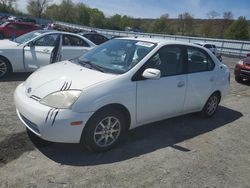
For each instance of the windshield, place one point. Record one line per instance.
(117, 56)
(28, 36)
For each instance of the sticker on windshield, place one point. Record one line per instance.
(144, 44)
(37, 34)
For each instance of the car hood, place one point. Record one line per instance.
(62, 76)
(6, 44)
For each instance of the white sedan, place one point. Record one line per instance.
(38, 48)
(120, 85)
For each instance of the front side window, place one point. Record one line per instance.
(118, 56)
(47, 40)
(70, 40)
(169, 60)
(29, 36)
(198, 61)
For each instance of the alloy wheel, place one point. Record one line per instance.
(212, 105)
(107, 131)
(3, 68)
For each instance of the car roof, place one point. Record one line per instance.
(159, 41)
(204, 43)
(24, 23)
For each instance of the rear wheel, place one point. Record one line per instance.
(5, 68)
(104, 130)
(211, 106)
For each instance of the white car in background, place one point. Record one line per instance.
(212, 48)
(120, 85)
(38, 48)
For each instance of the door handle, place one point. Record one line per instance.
(211, 79)
(46, 50)
(181, 84)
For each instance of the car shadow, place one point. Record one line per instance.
(144, 139)
(245, 82)
(13, 146)
(16, 77)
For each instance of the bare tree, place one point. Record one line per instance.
(37, 7)
(186, 23)
(228, 15)
(226, 22)
(213, 14)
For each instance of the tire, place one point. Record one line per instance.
(104, 130)
(1, 36)
(38, 142)
(211, 106)
(5, 68)
(238, 79)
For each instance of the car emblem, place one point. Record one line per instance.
(29, 90)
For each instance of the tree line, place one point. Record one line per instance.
(214, 26)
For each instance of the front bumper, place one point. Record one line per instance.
(49, 123)
(242, 72)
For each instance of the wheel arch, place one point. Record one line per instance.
(118, 107)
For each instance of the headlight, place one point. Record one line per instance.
(240, 62)
(61, 99)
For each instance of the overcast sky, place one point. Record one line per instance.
(156, 8)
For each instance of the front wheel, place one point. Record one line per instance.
(238, 79)
(211, 106)
(104, 130)
(5, 68)
(1, 36)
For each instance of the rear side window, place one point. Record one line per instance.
(47, 40)
(198, 61)
(70, 40)
(208, 46)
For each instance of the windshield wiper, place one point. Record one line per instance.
(85, 62)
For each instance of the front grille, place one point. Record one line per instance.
(245, 73)
(31, 125)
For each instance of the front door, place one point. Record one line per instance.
(162, 98)
(73, 46)
(42, 52)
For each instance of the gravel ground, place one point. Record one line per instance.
(186, 151)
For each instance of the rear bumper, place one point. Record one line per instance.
(49, 123)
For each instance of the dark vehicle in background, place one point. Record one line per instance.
(15, 29)
(94, 37)
(242, 69)
(212, 48)
(27, 20)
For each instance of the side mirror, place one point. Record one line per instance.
(152, 74)
(248, 55)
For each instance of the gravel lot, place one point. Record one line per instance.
(187, 151)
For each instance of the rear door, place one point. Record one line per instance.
(200, 78)
(73, 46)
